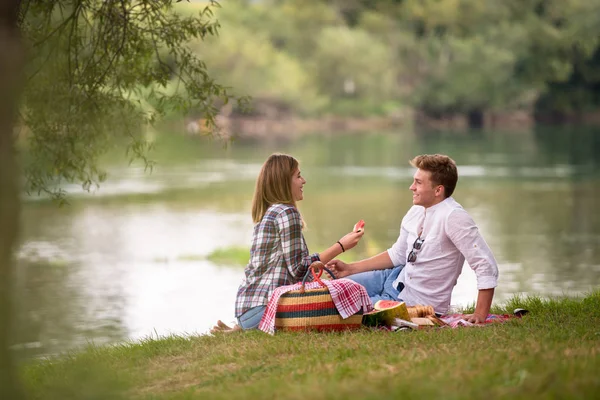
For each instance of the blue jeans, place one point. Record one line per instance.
(379, 283)
(251, 318)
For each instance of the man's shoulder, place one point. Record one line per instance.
(455, 214)
(450, 205)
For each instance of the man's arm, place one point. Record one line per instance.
(463, 232)
(482, 309)
(341, 269)
(384, 260)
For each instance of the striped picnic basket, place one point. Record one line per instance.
(312, 309)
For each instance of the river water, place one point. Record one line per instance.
(129, 260)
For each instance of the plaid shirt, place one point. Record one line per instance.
(278, 257)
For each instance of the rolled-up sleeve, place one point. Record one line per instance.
(295, 252)
(465, 235)
(397, 252)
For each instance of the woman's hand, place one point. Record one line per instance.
(344, 244)
(351, 239)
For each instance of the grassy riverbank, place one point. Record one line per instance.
(238, 256)
(553, 352)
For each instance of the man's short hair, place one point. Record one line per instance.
(443, 170)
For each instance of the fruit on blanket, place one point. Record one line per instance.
(385, 304)
(393, 309)
(385, 312)
(373, 318)
(359, 226)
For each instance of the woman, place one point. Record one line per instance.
(279, 255)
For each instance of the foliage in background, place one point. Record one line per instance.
(375, 57)
(254, 65)
(98, 70)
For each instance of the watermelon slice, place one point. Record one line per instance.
(385, 312)
(359, 226)
(385, 304)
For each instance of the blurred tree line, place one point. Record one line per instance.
(362, 57)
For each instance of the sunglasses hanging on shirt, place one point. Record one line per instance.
(412, 256)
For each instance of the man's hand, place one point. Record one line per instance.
(339, 268)
(476, 318)
(482, 308)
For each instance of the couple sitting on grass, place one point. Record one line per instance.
(436, 236)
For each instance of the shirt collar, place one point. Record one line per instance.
(432, 209)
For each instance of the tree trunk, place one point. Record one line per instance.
(11, 60)
(475, 118)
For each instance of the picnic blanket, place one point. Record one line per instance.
(457, 320)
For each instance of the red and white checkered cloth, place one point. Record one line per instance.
(348, 297)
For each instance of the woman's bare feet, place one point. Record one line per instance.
(222, 327)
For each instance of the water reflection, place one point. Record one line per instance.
(129, 260)
(109, 273)
(570, 145)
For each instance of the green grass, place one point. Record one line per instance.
(239, 256)
(553, 352)
(235, 256)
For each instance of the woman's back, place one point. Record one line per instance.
(278, 256)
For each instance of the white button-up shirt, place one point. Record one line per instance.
(451, 236)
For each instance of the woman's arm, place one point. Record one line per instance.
(294, 247)
(344, 244)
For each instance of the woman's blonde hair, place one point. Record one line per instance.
(274, 184)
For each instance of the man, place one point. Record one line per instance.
(436, 236)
